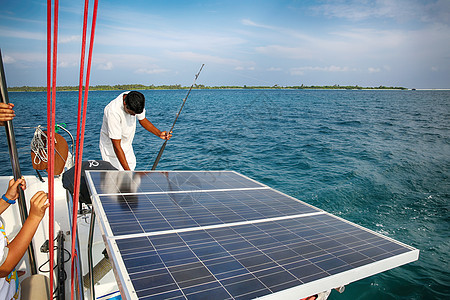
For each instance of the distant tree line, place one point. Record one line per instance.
(129, 87)
(116, 87)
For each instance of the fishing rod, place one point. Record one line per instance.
(175, 121)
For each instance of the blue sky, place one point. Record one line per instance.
(367, 43)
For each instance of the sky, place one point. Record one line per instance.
(255, 43)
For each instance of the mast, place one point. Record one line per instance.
(15, 163)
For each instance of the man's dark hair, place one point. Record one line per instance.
(135, 102)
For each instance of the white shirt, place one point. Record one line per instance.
(118, 125)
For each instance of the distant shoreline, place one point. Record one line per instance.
(179, 87)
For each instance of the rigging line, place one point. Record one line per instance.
(51, 101)
(21, 150)
(77, 147)
(81, 130)
(158, 157)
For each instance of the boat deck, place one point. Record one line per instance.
(107, 287)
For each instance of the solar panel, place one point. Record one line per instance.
(113, 182)
(221, 235)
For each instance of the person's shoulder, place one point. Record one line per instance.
(112, 109)
(116, 102)
(109, 107)
(119, 98)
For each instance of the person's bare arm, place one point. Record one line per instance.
(152, 128)
(120, 154)
(12, 193)
(3, 206)
(19, 245)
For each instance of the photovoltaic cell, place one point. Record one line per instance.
(167, 211)
(112, 182)
(220, 235)
(248, 261)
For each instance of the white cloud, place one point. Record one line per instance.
(106, 66)
(345, 46)
(297, 71)
(286, 52)
(336, 69)
(69, 39)
(438, 12)
(203, 58)
(8, 59)
(293, 35)
(22, 34)
(329, 69)
(26, 57)
(69, 60)
(401, 11)
(105, 61)
(368, 38)
(242, 68)
(167, 39)
(344, 39)
(5, 15)
(360, 10)
(66, 64)
(248, 22)
(151, 71)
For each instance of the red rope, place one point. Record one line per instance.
(51, 104)
(77, 166)
(81, 129)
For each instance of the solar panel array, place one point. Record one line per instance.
(221, 235)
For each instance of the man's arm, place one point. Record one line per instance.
(120, 154)
(151, 128)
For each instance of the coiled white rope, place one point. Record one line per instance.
(39, 146)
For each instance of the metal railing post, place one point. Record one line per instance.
(15, 164)
(90, 259)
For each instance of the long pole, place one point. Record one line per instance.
(15, 163)
(175, 121)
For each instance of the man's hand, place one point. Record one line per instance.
(151, 128)
(13, 191)
(165, 135)
(6, 113)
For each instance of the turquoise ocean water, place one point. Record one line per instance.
(380, 159)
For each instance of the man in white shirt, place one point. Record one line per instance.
(119, 127)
